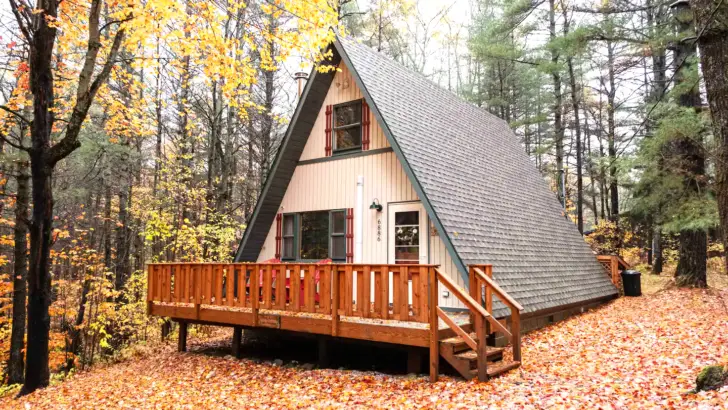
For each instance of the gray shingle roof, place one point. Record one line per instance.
(492, 202)
(486, 198)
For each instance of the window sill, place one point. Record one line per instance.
(347, 151)
(345, 155)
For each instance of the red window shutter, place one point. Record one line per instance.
(329, 111)
(349, 235)
(279, 217)
(364, 126)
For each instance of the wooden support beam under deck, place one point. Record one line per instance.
(182, 341)
(237, 336)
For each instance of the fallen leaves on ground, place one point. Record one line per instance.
(635, 353)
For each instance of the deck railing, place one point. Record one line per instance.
(613, 264)
(397, 292)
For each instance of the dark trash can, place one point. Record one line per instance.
(631, 283)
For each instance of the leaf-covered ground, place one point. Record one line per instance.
(635, 353)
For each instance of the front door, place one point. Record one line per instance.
(407, 233)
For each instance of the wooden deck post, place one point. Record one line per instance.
(334, 300)
(474, 290)
(482, 348)
(237, 336)
(516, 332)
(255, 293)
(182, 341)
(434, 326)
(490, 334)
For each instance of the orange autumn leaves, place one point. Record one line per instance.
(634, 353)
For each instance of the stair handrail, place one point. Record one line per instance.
(614, 261)
(491, 286)
(471, 303)
(502, 295)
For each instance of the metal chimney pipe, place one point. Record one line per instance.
(300, 77)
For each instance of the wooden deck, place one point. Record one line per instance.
(382, 303)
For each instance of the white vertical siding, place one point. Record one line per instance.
(440, 256)
(332, 185)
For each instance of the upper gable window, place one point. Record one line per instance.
(347, 126)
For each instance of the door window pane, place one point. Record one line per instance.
(407, 237)
(407, 218)
(407, 253)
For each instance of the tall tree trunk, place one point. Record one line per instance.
(158, 115)
(266, 135)
(577, 131)
(37, 373)
(711, 21)
(20, 275)
(557, 107)
(121, 272)
(611, 135)
(187, 142)
(691, 267)
(590, 165)
(107, 226)
(657, 258)
(655, 21)
(44, 157)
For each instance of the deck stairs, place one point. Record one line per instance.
(465, 347)
(465, 360)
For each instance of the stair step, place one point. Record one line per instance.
(457, 343)
(492, 353)
(497, 368)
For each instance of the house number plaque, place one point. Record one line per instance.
(379, 229)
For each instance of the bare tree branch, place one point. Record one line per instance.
(15, 113)
(21, 24)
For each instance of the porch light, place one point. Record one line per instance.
(375, 205)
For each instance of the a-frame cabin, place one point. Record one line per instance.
(388, 197)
